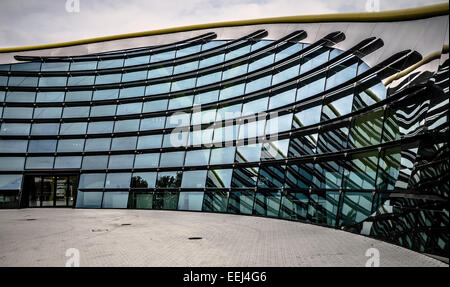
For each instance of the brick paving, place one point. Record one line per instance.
(40, 237)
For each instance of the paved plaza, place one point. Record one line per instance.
(41, 237)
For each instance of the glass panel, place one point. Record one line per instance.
(262, 62)
(42, 146)
(161, 56)
(118, 180)
(222, 155)
(116, 199)
(241, 202)
(68, 162)
(50, 97)
(232, 91)
(172, 159)
(152, 123)
(143, 180)
(97, 144)
(156, 89)
(76, 112)
(95, 162)
(254, 107)
(248, 153)
(126, 109)
(126, 126)
(310, 87)
(169, 179)
(267, 204)
(18, 97)
(39, 163)
(100, 127)
(160, 72)
(244, 177)
(209, 79)
(148, 160)
(356, 207)
(149, 142)
(180, 102)
(155, 106)
(215, 201)
(102, 111)
(307, 117)
(282, 99)
(361, 170)
(141, 60)
(105, 95)
(183, 84)
(92, 180)
(121, 161)
(55, 66)
(197, 158)
(337, 108)
(12, 163)
(190, 201)
(299, 176)
(75, 145)
(207, 97)
(294, 206)
(124, 143)
(15, 129)
(107, 64)
(340, 73)
(47, 113)
(132, 92)
(219, 178)
(10, 181)
(22, 81)
(89, 199)
(17, 113)
(73, 128)
(194, 179)
(181, 68)
(52, 81)
(234, 72)
(79, 66)
(178, 120)
(165, 200)
(81, 81)
(13, 146)
(48, 191)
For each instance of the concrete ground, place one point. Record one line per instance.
(41, 237)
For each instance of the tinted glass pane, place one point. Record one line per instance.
(93, 180)
(78, 66)
(121, 161)
(45, 129)
(115, 199)
(172, 159)
(190, 201)
(15, 129)
(97, 144)
(149, 160)
(95, 162)
(75, 145)
(10, 181)
(89, 199)
(118, 180)
(73, 128)
(68, 162)
(194, 179)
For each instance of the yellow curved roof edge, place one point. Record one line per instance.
(384, 16)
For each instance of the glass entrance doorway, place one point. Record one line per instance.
(50, 191)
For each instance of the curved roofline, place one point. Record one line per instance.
(384, 16)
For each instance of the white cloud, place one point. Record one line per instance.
(27, 22)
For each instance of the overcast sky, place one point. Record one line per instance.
(32, 22)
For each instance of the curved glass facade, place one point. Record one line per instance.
(277, 128)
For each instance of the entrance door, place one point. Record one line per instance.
(50, 191)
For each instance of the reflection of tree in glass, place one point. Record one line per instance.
(169, 180)
(137, 181)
